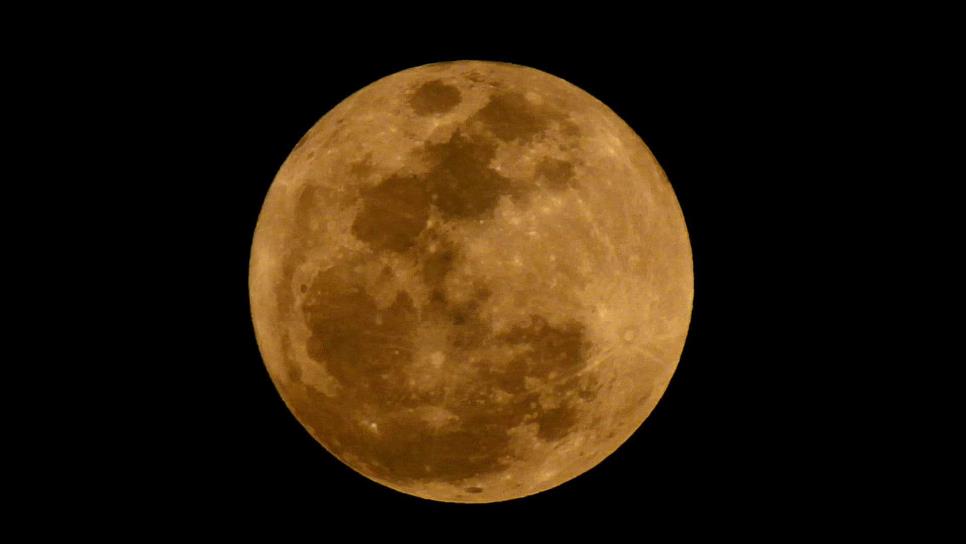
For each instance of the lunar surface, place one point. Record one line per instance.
(471, 281)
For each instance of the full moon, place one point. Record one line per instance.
(471, 281)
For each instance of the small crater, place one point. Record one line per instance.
(434, 97)
(474, 489)
(587, 394)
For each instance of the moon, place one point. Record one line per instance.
(471, 281)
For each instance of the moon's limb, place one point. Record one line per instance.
(471, 281)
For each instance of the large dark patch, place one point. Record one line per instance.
(369, 350)
(393, 213)
(509, 116)
(460, 184)
(463, 186)
(434, 97)
(360, 344)
(556, 173)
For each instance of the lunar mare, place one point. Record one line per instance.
(471, 281)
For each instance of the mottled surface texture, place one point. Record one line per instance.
(471, 281)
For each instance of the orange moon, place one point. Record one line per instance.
(471, 281)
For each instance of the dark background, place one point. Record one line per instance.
(751, 426)
(806, 146)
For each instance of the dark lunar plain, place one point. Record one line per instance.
(744, 432)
